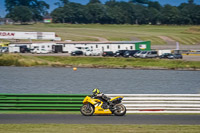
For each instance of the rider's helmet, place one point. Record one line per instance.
(95, 91)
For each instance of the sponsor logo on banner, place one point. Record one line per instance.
(7, 34)
(142, 46)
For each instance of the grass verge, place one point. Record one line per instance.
(97, 62)
(185, 34)
(85, 128)
(19, 60)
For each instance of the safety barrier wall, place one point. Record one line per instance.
(41, 102)
(135, 103)
(161, 103)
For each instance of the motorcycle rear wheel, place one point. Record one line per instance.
(120, 110)
(85, 111)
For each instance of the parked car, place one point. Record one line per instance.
(120, 53)
(39, 51)
(77, 52)
(88, 53)
(137, 54)
(42, 51)
(165, 55)
(92, 53)
(33, 51)
(175, 56)
(108, 53)
(143, 54)
(151, 54)
(4, 49)
(130, 53)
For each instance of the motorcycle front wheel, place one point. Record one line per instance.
(85, 111)
(120, 110)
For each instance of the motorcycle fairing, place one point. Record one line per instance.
(119, 97)
(97, 106)
(99, 110)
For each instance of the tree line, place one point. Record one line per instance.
(112, 12)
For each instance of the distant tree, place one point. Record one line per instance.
(191, 1)
(21, 14)
(11, 4)
(190, 13)
(37, 8)
(61, 3)
(65, 1)
(94, 1)
(154, 12)
(70, 13)
(155, 5)
(97, 13)
(111, 3)
(79, 13)
(141, 14)
(196, 15)
(115, 15)
(154, 16)
(120, 12)
(58, 15)
(170, 15)
(140, 1)
(129, 12)
(185, 11)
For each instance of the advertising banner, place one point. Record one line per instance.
(27, 35)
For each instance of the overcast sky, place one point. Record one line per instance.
(52, 6)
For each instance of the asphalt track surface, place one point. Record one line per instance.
(79, 119)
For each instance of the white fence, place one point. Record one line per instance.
(161, 103)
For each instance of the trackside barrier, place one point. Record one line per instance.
(161, 103)
(135, 103)
(41, 102)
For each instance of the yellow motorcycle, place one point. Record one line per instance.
(95, 106)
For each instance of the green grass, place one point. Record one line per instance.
(89, 128)
(19, 60)
(88, 32)
(96, 62)
(112, 62)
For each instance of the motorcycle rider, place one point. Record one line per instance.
(98, 95)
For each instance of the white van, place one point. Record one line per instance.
(92, 52)
(149, 54)
(39, 51)
(137, 54)
(143, 54)
(152, 54)
(14, 49)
